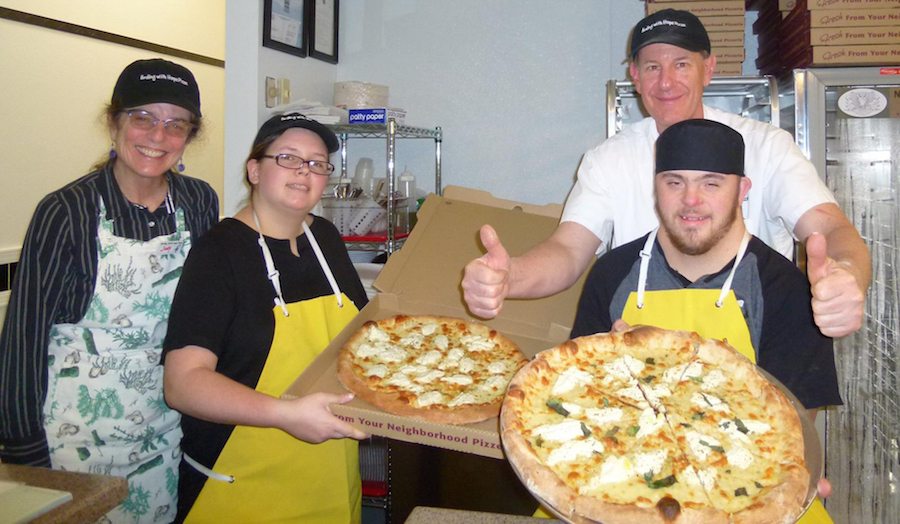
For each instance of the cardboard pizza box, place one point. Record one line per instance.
(702, 8)
(722, 23)
(726, 38)
(854, 17)
(424, 278)
(728, 69)
(854, 35)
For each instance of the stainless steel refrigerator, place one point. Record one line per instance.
(843, 122)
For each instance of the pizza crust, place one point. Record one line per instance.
(403, 402)
(781, 503)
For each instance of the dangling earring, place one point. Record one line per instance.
(180, 165)
(112, 151)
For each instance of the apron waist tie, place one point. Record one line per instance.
(206, 471)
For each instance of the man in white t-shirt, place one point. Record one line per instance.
(612, 200)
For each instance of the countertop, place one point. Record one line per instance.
(92, 495)
(425, 515)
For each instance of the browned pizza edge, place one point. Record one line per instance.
(394, 402)
(539, 479)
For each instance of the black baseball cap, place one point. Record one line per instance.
(157, 81)
(280, 123)
(700, 145)
(670, 26)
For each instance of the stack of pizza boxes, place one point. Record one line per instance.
(423, 278)
(802, 33)
(724, 21)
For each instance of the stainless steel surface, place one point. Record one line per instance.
(749, 96)
(860, 161)
(390, 132)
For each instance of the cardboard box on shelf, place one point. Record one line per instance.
(704, 8)
(424, 278)
(728, 69)
(728, 54)
(377, 115)
(856, 54)
(722, 23)
(853, 35)
(726, 38)
(854, 17)
(787, 5)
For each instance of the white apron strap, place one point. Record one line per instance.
(737, 260)
(324, 263)
(273, 273)
(645, 264)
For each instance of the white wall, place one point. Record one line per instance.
(247, 64)
(518, 86)
(55, 86)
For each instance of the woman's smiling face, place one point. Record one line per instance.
(289, 189)
(147, 153)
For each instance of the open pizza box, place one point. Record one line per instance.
(423, 278)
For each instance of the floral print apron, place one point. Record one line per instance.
(105, 412)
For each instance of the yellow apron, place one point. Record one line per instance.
(712, 313)
(278, 478)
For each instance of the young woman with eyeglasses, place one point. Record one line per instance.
(80, 374)
(261, 296)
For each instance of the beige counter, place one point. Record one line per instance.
(424, 515)
(92, 495)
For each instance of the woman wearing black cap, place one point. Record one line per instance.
(80, 380)
(262, 294)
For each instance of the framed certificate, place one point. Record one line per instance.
(323, 30)
(285, 27)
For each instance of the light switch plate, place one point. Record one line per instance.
(271, 92)
(285, 91)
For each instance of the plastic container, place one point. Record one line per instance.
(407, 183)
(363, 175)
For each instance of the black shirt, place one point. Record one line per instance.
(55, 281)
(224, 303)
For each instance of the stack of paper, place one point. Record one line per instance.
(315, 111)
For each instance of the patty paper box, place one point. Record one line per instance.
(376, 116)
(423, 278)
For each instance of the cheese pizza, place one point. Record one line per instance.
(650, 425)
(438, 369)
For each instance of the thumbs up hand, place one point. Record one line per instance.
(486, 280)
(837, 300)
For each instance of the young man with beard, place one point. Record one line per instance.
(701, 270)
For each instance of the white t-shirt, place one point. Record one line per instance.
(613, 196)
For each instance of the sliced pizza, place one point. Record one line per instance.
(438, 369)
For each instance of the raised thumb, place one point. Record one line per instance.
(816, 258)
(496, 257)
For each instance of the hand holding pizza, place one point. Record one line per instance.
(486, 280)
(837, 298)
(310, 418)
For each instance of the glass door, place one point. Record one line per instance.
(848, 123)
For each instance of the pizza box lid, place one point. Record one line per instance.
(423, 278)
(429, 267)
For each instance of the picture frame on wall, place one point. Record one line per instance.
(323, 30)
(285, 26)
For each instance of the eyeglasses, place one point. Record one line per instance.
(317, 167)
(174, 127)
